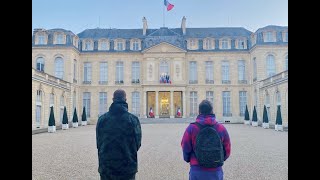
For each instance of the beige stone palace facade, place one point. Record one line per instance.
(166, 70)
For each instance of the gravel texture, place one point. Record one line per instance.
(256, 154)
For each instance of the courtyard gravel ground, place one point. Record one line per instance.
(256, 154)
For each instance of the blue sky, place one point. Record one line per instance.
(78, 15)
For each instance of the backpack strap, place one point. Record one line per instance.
(200, 126)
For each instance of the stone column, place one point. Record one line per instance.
(184, 101)
(157, 106)
(171, 105)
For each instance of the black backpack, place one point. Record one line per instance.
(209, 149)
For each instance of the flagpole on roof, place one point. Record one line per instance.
(163, 16)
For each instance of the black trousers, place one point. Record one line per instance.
(122, 177)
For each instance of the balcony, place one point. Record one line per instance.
(209, 81)
(193, 81)
(103, 82)
(227, 114)
(86, 82)
(275, 79)
(242, 82)
(135, 81)
(118, 82)
(226, 82)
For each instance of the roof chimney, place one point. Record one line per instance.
(183, 25)
(145, 26)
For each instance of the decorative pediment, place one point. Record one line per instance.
(164, 47)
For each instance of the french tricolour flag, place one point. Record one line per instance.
(168, 5)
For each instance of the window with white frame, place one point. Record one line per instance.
(224, 44)
(225, 72)
(193, 73)
(38, 115)
(120, 46)
(164, 68)
(209, 72)
(40, 64)
(269, 36)
(192, 43)
(240, 44)
(59, 39)
(87, 102)
(59, 67)
(39, 96)
(286, 63)
(193, 103)
(87, 45)
(271, 66)
(241, 71)
(61, 108)
(119, 72)
(74, 101)
(102, 103)
(75, 69)
(41, 39)
(51, 102)
(242, 102)
(278, 98)
(38, 107)
(268, 105)
(254, 69)
(103, 73)
(135, 72)
(208, 44)
(87, 71)
(226, 103)
(209, 96)
(285, 36)
(135, 45)
(103, 45)
(136, 103)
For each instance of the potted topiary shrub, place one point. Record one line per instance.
(51, 123)
(75, 118)
(246, 116)
(278, 126)
(84, 117)
(265, 122)
(65, 123)
(254, 117)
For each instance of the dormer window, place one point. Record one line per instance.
(193, 44)
(75, 42)
(59, 39)
(208, 44)
(119, 45)
(103, 45)
(253, 39)
(87, 45)
(269, 37)
(41, 39)
(241, 44)
(135, 45)
(224, 44)
(285, 36)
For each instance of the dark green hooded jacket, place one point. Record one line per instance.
(118, 136)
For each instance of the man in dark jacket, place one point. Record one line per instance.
(118, 134)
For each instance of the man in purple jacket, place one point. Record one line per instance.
(188, 144)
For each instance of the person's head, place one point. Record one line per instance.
(119, 95)
(205, 107)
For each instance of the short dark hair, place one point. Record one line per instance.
(119, 95)
(205, 107)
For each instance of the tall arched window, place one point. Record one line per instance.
(286, 63)
(136, 103)
(271, 66)
(40, 64)
(61, 107)
(38, 108)
(278, 98)
(164, 67)
(267, 102)
(59, 67)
